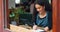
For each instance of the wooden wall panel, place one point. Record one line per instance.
(1, 16)
(7, 14)
(54, 8)
(58, 16)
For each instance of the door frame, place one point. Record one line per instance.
(55, 13)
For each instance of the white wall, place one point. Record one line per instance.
(17, 1)
(11, 3)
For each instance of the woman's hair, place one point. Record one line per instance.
(40, 2)
(44, 3)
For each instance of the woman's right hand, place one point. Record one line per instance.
(35, 27)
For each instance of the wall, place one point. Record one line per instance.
(1, 16)
(11, 3)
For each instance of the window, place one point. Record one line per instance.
(18, 15)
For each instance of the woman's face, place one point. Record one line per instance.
(39, 8)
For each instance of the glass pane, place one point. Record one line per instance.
(29, 15)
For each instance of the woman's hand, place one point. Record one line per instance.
(46, 29)
(35, 27)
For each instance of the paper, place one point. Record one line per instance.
(38, 30)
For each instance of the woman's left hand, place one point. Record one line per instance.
(46, 29)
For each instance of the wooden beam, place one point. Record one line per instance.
(7, 14)
(56, 15)
(1, 16)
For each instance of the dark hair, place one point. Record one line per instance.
(40, 2)
(44, 3)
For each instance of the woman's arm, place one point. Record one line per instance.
(46, 29)
(50, 20)
(35, 27)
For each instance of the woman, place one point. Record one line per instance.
(43, 17)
